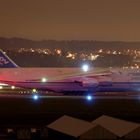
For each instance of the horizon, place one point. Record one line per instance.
(121, 41)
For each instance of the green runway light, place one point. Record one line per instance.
(34, 90)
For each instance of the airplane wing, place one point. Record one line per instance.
(76, 77)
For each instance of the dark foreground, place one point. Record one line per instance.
(25, 112)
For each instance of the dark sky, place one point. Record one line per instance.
(71, 19)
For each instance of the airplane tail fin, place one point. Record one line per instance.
(5, 61)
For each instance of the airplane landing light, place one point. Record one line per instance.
(85, 67)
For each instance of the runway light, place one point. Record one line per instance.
(12, 87)
(43, 80)
(35, 97)
(89, 97)
(34, 90)
(85, 67)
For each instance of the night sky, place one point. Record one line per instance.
(109, 20)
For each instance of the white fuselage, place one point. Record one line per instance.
(67, 79)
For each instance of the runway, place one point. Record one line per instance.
(23, 93)
(93, 98)
(23, 109)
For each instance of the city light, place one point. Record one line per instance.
(91, 55)
(58, 52)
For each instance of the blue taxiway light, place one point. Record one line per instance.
(35, 97)
(89, 97)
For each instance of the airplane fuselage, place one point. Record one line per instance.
(71, 79)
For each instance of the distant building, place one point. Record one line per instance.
(69, 128)
(103, 128)
(121, 128)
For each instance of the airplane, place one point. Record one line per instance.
(75, 81)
